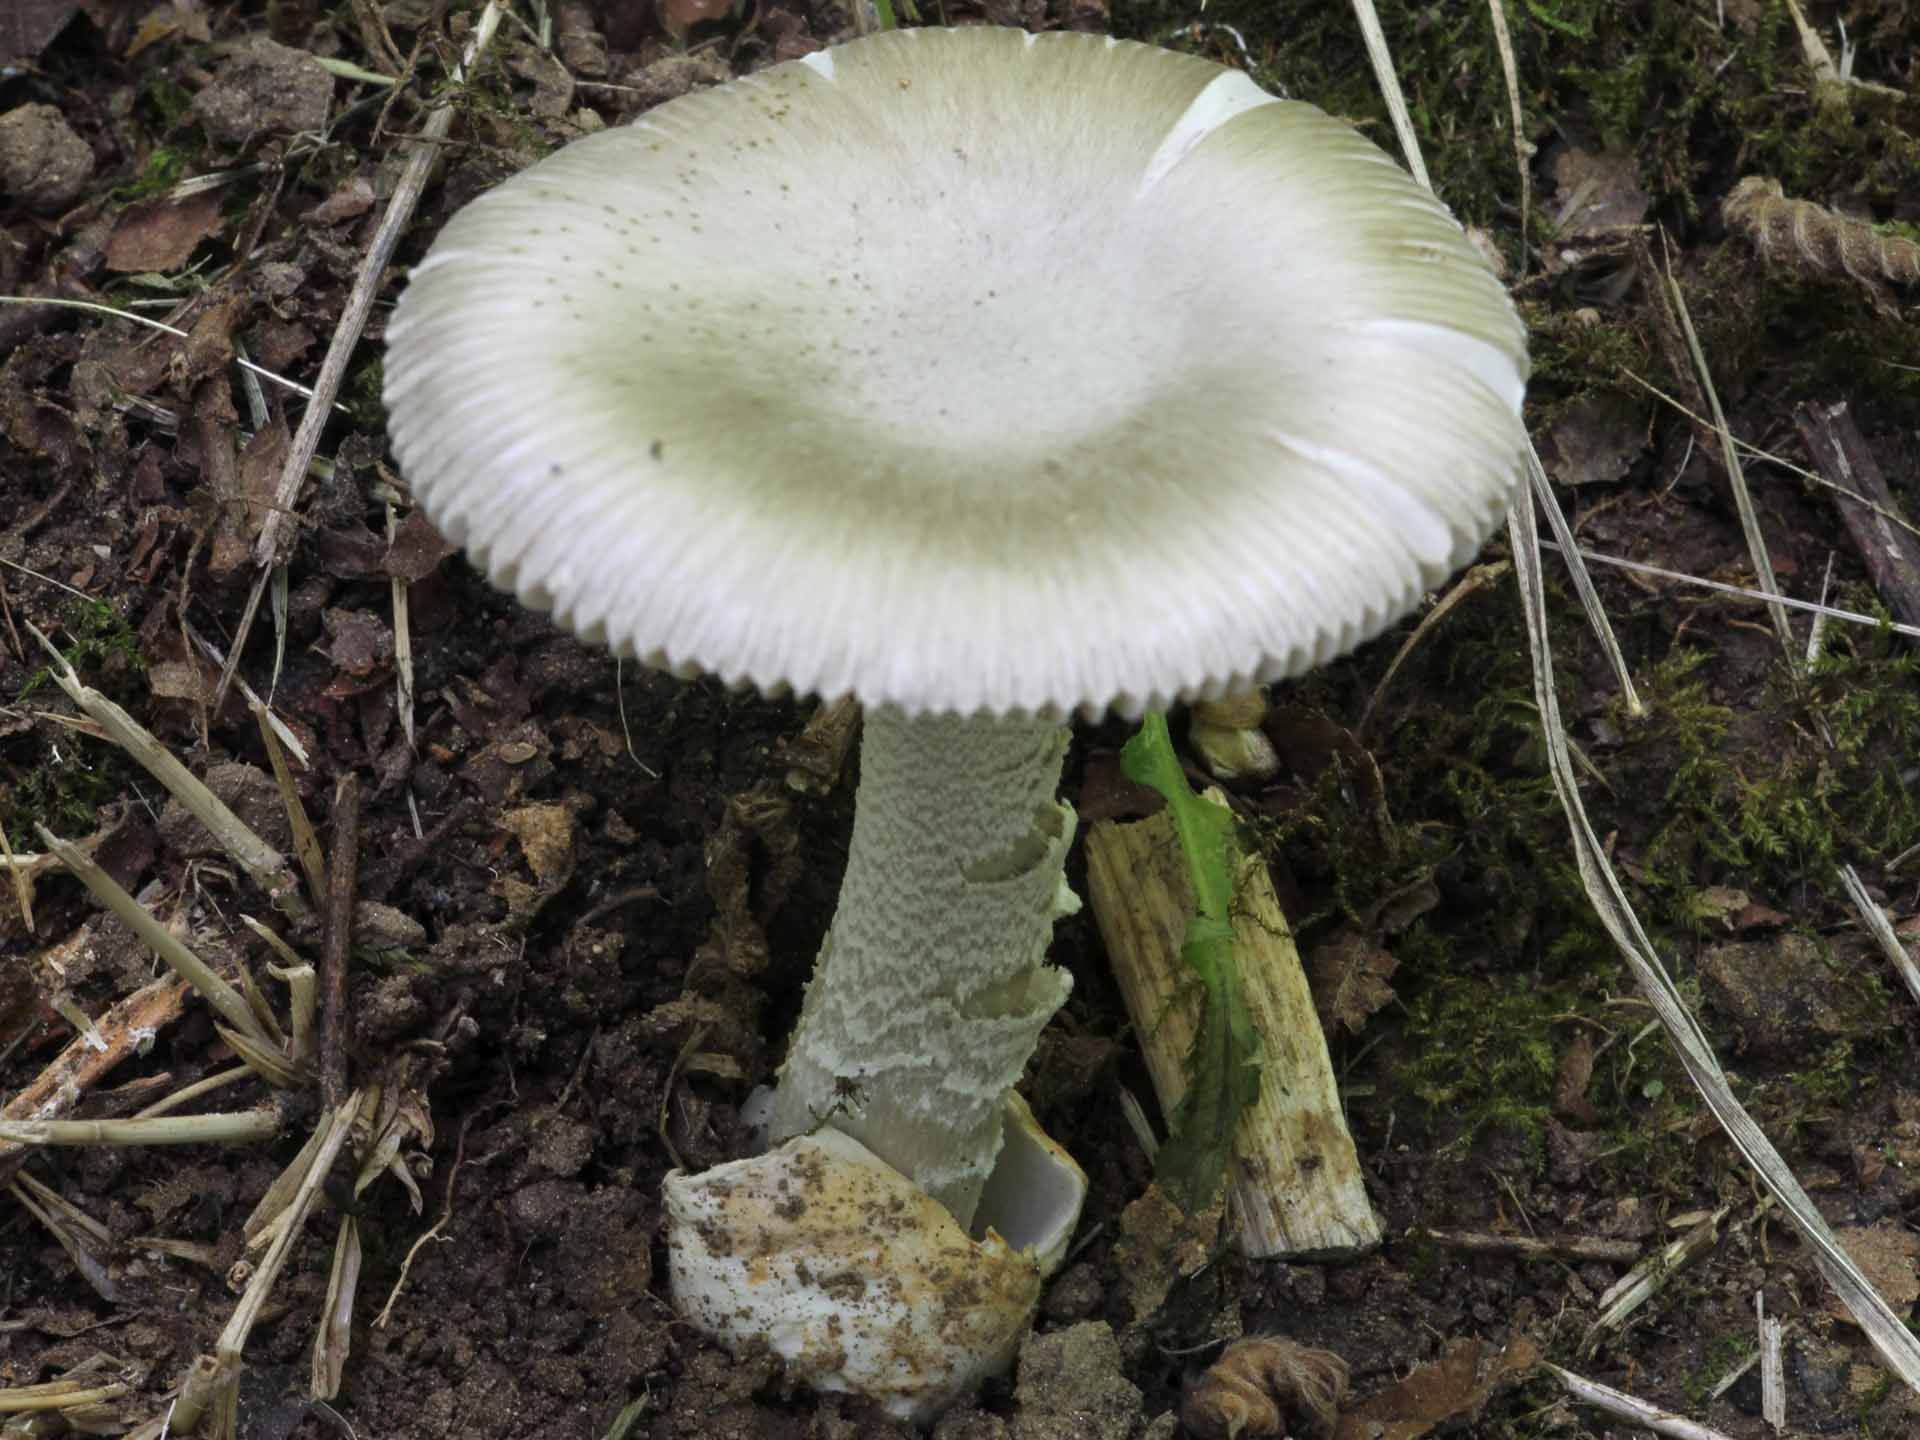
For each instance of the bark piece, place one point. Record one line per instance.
(1295, 1186)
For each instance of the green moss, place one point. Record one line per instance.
(68, 778)
(102, 648)
(1479, 1053)
(164, 169)
(362, 393)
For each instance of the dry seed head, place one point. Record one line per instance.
(1247, 1391)
(1801, 233)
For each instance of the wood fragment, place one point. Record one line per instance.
(1773, 1385)
(1295, 1185)
(1525, 1247)
(127, 1029)
(1887, 541)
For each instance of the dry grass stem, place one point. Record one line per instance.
(402, 641)
(367, 284)
(1736, 473)
(239, 1127)
(22, 875)
(1522, 147)
(1878, 926)
(266, 866)
(210, 1395)
(84, 1238)
(1475, 580)
(1896, 1344)
(198, 1090)
(1744, 592)
(333, 1343)
(1563, 1247)
(55, 1395)
(228, 1002)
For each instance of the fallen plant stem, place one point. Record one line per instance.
(198, 1090)
(343, 873)
(226, 1128)
(371, 278)
(230, 1004)
(1743, 592)
(1583, 1248)
(58, 1395)
(209, 1398)
(1730, 457)
(266, 866)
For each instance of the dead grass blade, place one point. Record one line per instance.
(265, 865)
(1896, 1343)
(84, 1238)
(1522, 148)
(1736, 473)
(230, 1004)
(1877, 925)
(209, 1400)
(334, 1343)
(1389, 83)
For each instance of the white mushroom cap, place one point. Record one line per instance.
(966, 371)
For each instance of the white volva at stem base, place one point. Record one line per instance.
(860, 1281)
(932, 987)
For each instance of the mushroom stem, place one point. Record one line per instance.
(931, 989)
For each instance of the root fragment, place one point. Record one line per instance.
(1812, 238)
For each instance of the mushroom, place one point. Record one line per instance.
(987, 377)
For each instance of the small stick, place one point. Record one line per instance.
(1651, 1275)
(1640, 1412)
(343, 873)
(367, 284)
(1887, 542)
(1563, 1247)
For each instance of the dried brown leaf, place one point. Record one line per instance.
(160, 235)
(1349, 974)
(1468, 1374)
(545, 833)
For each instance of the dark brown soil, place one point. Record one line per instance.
(596, 897)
